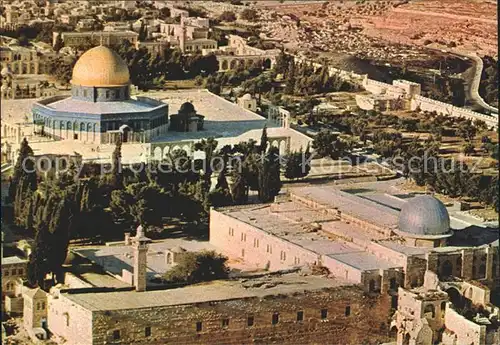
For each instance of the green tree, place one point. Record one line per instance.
(294, 166)
(468, 149)
(249, 14)
(198, 267)
(263, 140)
(221, 195)
(58, 43)
(227, 16)
(116, 172)
(326, 143)
(269, 176)
(25, 166)
(38, 263)
(467, 130)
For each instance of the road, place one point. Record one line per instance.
(474, 85)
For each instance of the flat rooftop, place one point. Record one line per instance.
(71, 105)
(219, 290)
(222, 118)
(361, 208)
(363, 261)
(114, 259)
(11, 260)
(292, 222)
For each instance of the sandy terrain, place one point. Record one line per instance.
(471, 25)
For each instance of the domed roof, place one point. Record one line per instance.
(247, 97)
(187, 107)
(424, 216)
(100, 66)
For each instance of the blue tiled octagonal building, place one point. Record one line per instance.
(100, 108)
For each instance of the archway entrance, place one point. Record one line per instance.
(124, 130)
(267, 64)
(455, 298)
(446, 269)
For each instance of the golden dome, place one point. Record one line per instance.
(100, 67)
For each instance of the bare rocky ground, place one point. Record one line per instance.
(382, 26)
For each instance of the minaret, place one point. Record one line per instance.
(140, 259)
(182, 39)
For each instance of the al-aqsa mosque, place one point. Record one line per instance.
(100, 107)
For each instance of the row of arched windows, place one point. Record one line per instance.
(67, 125)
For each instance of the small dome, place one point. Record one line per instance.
(247, 97)
(13, 42)
(187, 107)
(424, 216)
(100, 67)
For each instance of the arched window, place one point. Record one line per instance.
(482, 271)
(430, 311)
(371, 285)
(406, 339)
(443, 306)
(393, 284)
(459, 265)
(446, 269)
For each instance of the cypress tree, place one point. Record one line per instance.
(239, 189)
(38, 265)
(23, 163)
(116, 172)
(263, 140)
(221, 195)
(59, 241)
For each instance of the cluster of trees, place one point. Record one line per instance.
(302, 79)
(328, 144)
(37, 31)
(227, 16)
(198, 267)
(249, 14)
(488, 88)
(62, 68)
(86, 203)
(215, 82)
(448, 176)
(146, 69)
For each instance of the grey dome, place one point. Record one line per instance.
(424, 216)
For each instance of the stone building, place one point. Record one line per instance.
(14, 271)
(290, 308)
(248, 102)
(239, 54)
(191, 35)
(380, 246)
(108, 38)
(100, 108)
(35, 311)
(24, 60)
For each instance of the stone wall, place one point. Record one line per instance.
(351, 318)
(462, 331)
(69, 320)
(14, 305)
(257, 247)
(427, 104)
